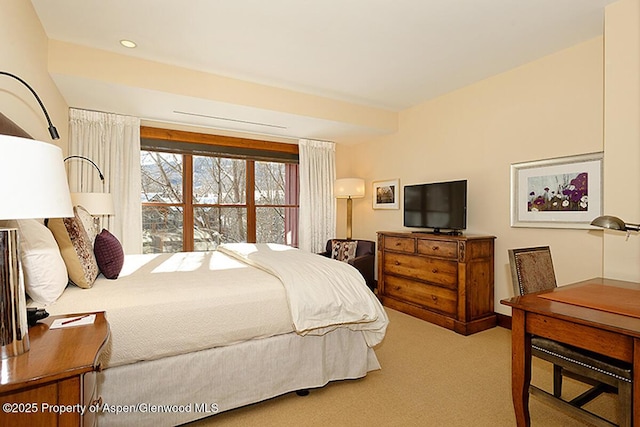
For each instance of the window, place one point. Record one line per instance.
(197, 196)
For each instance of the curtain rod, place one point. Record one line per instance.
(103, 112)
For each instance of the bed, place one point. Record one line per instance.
(224, 329)
(195, 334)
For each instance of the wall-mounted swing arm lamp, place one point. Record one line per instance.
(52, 129)
(97, 204)
(39, 191)
(88, 160)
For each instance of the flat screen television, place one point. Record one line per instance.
(439, 206)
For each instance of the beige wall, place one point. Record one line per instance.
(23, 52)
(622, 136)
(548, 108)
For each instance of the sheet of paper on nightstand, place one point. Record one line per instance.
(68, 322)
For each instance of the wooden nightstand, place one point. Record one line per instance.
(55, 380)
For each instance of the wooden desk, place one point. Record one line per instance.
(57, 373)
(577, 323)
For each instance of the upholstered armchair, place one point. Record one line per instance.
(363, 259)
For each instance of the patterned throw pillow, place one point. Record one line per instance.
(76, 249)
(87, 222)
(343, 250)
(109, 254)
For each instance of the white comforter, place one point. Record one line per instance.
(322, 293)
(169, 304)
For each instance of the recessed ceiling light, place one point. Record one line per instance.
(128, 43)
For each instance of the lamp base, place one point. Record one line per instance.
(14, 329)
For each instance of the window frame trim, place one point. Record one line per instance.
(259, 146)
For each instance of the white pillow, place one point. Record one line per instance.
(45, 274)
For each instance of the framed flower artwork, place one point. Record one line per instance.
(564, 192)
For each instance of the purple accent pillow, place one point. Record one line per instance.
(109, 254)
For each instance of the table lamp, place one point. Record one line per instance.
(39, 190)
(614, 223)
(349, 188)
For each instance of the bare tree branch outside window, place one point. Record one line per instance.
(219, 189)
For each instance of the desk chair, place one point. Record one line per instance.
(532, 271)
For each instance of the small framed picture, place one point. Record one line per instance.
(386, 194)
(564, 192)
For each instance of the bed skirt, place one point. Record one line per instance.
(184, 388)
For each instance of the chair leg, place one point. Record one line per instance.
(557, 381)
(625, 409)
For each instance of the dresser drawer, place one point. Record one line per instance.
(438, 248)
(400, 244)
(422, 294)
(437, 271)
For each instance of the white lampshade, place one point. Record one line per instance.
(348, 187)
(95, 203)
(33, 183)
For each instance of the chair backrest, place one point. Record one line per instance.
(531, 270)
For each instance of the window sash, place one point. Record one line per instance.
(256, 151)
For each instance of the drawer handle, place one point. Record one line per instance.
(97, 401)
(433, 297)
(435, 248)
(397, 262)
(435, 270)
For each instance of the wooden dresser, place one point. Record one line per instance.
(54, 383)
(446, 280)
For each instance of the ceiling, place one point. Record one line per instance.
(389, 55)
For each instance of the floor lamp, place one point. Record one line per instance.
(349, 188)
(39, 190)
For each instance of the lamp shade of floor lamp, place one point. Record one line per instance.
(33, 184)
(349, 188)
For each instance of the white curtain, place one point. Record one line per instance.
(112, 142)
(317, 220)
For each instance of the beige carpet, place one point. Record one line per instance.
(430, 377)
